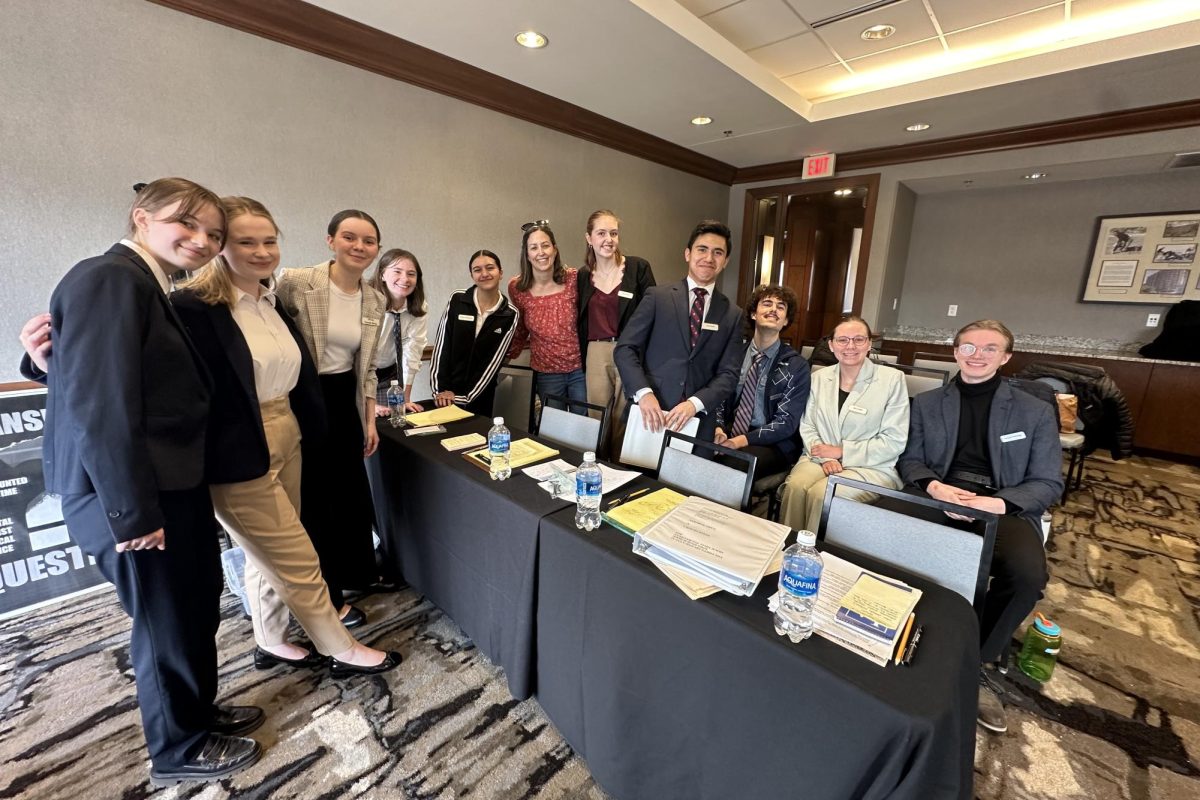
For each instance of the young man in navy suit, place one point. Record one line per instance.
(680, 354)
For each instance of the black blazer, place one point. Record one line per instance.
(654, 350)
(236, 448)
(128, 396)
(635, 282)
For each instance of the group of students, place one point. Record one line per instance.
(250, 394)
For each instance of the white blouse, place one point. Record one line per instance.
(275, 354)
(414, 335)
(344, 335)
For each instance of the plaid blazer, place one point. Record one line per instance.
(305, 295)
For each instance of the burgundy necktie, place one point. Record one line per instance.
(697, 314)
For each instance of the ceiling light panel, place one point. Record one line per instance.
(797, 54)
(911, 21)
(754, 23)
(954, 15)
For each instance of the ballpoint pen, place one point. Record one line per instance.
(625, 498)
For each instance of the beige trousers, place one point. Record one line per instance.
(604, 387)
(804, 492)
(282, 570)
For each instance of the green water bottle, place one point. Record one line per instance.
(1039, 654)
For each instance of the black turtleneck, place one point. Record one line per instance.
(971, 450)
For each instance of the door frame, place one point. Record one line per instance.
(782, 193)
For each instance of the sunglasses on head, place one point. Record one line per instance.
(535, 224)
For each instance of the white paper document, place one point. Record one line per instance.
(642, 447)
(718, 545)
(613, 479)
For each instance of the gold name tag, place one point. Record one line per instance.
(710, 326)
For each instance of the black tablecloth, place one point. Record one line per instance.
(466, 542)
(667, 697)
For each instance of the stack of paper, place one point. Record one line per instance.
(633, 515)
(520, 453)
(716, 545)
(545, 474)
(438, 416)
(877, 607)
(641, 447)
(838, 578)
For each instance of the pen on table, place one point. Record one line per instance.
(627, 497)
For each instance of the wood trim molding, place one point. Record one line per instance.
(306, 27)
(20, 385)
(1148, 119)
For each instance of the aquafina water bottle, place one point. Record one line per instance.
(589, 481)
(395, 400)
(499, 440)
(799, 581)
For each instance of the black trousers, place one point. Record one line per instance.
(385, 484)
(335, 498)
(173, 598)
(1018, 573)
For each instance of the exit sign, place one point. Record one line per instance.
(819, 166)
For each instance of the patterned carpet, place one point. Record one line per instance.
(1119, 719)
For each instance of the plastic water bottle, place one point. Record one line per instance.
(395, 400)
(589, 482)
(499, 440)
(799, 581)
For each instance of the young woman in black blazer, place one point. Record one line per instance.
(267, 397)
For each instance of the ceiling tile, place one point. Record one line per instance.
(812, 84)
(1082, 9)
(815, 10)
(954, 15)
(702, 7)
(1006, 30)
(797, 54)
(910, 19)
(925, 49)
(754, 23)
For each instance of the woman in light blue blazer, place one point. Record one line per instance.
(855, 425)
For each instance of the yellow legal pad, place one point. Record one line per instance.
(634, 515)
(521, 452)
(438, 416)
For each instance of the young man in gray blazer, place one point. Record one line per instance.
(979, 442)
(681, 351)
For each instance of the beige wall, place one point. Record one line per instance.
(98, 96)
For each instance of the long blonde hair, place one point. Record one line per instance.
(213, 283)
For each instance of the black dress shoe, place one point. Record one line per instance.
(220, 757)
(354, 617)
(236, 720)
(264, 659)
(340, 669)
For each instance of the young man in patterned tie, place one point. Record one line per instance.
(762, 414)
(680, 351)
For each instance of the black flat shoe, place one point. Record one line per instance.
(339, 669)
(354, 617)
(236, 720)
(220, 757)
(264, 659)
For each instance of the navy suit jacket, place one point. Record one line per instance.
(128, 397)
(237, 444)
(654, 349)
(784, 400)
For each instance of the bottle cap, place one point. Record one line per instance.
(588, 455)
(498, 421)
(1044, 625)
(395, 383)
(806, 538)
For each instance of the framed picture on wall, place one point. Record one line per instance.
(1145, 258)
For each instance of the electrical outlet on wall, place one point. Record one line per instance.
(1152, 321)
(952, 311)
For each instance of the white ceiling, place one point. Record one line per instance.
(785, 85)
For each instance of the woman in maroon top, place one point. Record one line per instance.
(545, 294)
(611, 285)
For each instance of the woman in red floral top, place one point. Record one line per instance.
(546, 294)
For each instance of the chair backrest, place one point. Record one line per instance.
(806, 351)
(936, 361)
(577, 430)
(695, 474)
(883, 357)
(956, 559)
(514, 396)
(921, 379)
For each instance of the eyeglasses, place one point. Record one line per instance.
(537, 223)
(966, 350)
(846, 341)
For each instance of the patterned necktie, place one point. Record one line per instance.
(745, 409)
(697, 314)
(398, 335)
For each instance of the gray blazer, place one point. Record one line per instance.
(1023, 445)
(305, 295)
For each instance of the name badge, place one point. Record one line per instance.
(369, 321)
(858, 409)
(625, 294)
(710, 326)
(1013, 437)
(465, 318)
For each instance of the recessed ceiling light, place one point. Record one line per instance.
(701, 120)
(878, 32)
(531, 39)
(917, 126)
(1033, 176)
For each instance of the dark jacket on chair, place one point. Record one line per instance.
(1107, 421)
(236, 449)
(784, 401)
